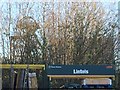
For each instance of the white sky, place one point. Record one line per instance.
(59, 0)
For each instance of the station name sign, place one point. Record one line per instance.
(80, 70)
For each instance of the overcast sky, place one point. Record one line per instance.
(59, 0)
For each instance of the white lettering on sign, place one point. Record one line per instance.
(80, 71)
(55, 67)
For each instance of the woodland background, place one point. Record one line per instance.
(59, 33)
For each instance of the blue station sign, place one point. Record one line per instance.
(80, 70)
